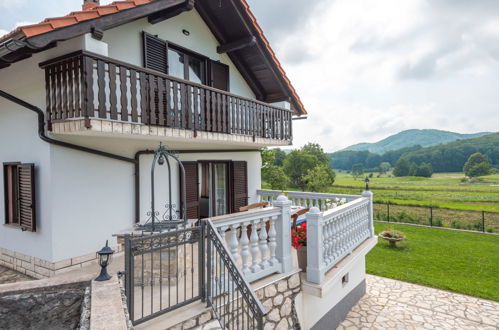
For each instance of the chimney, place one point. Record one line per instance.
(90, 4)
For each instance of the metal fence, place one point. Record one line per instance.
(164, 271)
(438, 217)
(229, 295)
(168, 270)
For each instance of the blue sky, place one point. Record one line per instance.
(367, 69)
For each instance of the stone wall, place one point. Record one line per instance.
(54, 307)
(278, 299)
(39, 268)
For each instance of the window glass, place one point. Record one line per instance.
(220, 170)
(196, 70)
(175, 64)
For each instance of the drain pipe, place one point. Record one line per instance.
(44, 137)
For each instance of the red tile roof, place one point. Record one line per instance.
(91, 11)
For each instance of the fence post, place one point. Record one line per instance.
(431, 216)
(483, 221)
(388, 210)
(369, 194)
(283, 228)
(315, 266)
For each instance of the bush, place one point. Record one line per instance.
(275, 177)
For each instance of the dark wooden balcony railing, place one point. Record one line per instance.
(87, 85)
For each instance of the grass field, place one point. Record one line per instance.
(444, 190)
(462, 262)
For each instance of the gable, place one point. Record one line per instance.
(231, 22)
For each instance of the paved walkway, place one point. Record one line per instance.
(391, 304)
(10, 276)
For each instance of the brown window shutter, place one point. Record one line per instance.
(219, 75)
(155, 53)
(26, 202)
(191, 189)
(239, 185)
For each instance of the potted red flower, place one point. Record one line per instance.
(299, 242)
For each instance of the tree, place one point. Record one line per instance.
(319, 178)
(275, 177)
(357, 170)
(424, 170)
(476, 165)
(296, 166)
(268, 157)
(316, 150)
(384, 167)
(279, 157)
(402, 167)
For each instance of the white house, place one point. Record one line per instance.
(86, 98)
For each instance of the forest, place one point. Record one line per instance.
(449, 157)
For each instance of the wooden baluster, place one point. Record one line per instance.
(113, 101)
(244, 241)
(263, 244)
(58, 89)
(88, 90)
(195, 108)
(77, 82)
(254, 247)
(70, 74)
(273, 242)
(133, 95)
(208, 110)
(202, 112)
(144, 113)
(161, 102)
(234, 244)
(188, 106)
(175, 107)
(101, 91)
(124, 96)
(48, 94)
(168, 107)
(152, 100)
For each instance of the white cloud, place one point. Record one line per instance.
(368, 69)
(11, 3)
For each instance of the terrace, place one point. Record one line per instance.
(90, 94)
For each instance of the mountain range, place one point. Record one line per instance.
(412, 137)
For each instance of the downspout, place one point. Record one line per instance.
(44, 137)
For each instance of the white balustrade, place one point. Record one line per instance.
(335, 233)
(259, 240)
(323, 201)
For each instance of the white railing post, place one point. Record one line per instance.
(283, 229)
(369, 194)
(315, 265)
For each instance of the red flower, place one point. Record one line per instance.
(299, 235)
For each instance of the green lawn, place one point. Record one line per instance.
(443, 190)
(462, 262)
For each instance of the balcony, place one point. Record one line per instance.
(89, 94)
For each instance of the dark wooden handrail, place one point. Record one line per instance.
(88, 85)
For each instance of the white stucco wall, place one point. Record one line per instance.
(83, 199)
(125, 43)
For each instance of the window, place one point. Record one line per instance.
(176, 61)
(19, 192)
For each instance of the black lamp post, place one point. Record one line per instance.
(104, 255)
(366, 180)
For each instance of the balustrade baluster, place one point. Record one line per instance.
(234, 244)
(263, 244)
(272, 242)
(244, 241)
(254, 247)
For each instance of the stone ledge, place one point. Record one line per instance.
(106, 311)
(335, 273)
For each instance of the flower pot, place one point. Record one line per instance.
(302, 258)
(391, 240)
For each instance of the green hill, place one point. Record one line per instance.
(412, 137)
(448, 157)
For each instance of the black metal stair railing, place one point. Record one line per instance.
(227, 292)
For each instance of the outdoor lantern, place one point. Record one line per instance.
(104, 256)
